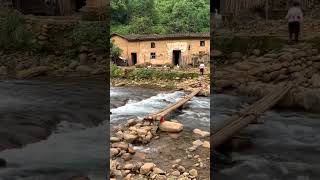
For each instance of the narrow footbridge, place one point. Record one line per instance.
(249, 115)
(160, 114)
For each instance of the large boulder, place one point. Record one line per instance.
(32, 72)
(146, 168)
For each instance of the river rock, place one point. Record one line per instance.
(129, 137)
(158, 171)
(193, 172)
(114, 139)
(201, 133)
(175, 173)
(146, 168)
(120, 145)
(83, 58)
(114, 152)
(128, 167)
(286, 57)
(197, 143)
(206, 144)
(32, 72)
(126, 156)
(3, 70)
(168, 126)
(161, 177)
(84, 69)
(181, 169)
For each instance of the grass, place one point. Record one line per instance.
(15, 34)
(247, 45)
(149, 74)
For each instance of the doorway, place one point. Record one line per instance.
(134, 58)
(176, 56)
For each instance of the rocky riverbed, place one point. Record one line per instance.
(139, 150)
(256, 74)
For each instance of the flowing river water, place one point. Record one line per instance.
(72, 113)
(285, 147)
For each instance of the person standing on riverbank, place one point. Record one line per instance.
(201, 67)
(294, 17)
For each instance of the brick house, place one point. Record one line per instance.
(182, 49)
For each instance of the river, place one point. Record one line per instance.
(72, 113)
(285, 147)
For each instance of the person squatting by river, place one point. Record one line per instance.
(201, 67)
(294, 17)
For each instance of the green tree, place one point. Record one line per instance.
(115, 51)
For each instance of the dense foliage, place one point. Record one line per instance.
(159, 16)
(15, 34)
(146, 73)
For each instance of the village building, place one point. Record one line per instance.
(173, 49)
(58, 7)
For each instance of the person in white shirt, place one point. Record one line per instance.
(201, 67)
(294, 17)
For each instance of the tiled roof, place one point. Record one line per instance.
(138, 37)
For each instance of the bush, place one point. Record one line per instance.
(145, 73)
(115, 51)
(92, 33)
(116, 72)
(14, 34)
(246, 45)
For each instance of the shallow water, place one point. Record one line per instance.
(77, 146)
(285, 147)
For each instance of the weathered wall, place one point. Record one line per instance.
(163, 49)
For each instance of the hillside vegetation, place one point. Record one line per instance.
(160, 16)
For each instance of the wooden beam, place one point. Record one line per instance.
(225, 131)
(172, 107)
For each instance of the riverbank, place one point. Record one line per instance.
(257, 73)
(161, 78)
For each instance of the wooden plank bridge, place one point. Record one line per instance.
(160, 114)
(229, 128)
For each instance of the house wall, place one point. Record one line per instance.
(163, 49)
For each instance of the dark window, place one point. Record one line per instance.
(153, 45)
(189, 47)
(152, 55)
(202, 43)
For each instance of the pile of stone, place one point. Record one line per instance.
(43, 37)
(123, 165)
(136, 131)
(256, 75)
(149, 170)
